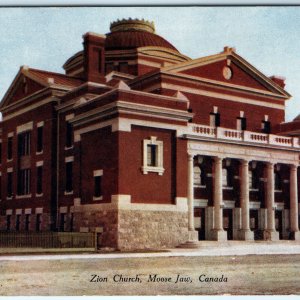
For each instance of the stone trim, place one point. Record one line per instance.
(39, 210)
(39, 163)
(24, 127)
(27, 211)
(159, 156)
(123, 202)
(10, 170)
(98, 173)
(8, 212)
(40, 124)
(69, 117)
(254, 205)
(63, 210)
(220, 96)
(10, 134)
(19, 211)
(200, 202)
(69, 159)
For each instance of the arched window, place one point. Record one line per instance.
(197, 176)
(277, 181)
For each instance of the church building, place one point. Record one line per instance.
(148, 147)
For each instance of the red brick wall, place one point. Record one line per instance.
(151, 187)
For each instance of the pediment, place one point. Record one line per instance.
(21, 87)
(228, 69)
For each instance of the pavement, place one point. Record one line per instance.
(205, 248)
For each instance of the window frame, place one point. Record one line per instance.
(98, 174)
(158, 168)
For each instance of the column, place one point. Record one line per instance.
(294, 203)
(193, 234)
(218, 233)
(270, 233)
(245, 233)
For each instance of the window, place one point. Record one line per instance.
(27, 222)
(241, 123)
(8, 218)
(199, 176)
(69, 133)
(39, 180)
(24, 143)
(98, 186)
(0, 153)
(38, 222)
(39, 146)
(9, 147)
(224, 177)
(9, 184)
(18, 221)
(266, 126)
(69, 176)
(24, 182)
(277, 181)
(215, 119)
(153, 156)
(251, 185)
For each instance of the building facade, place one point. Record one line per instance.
(149, 147)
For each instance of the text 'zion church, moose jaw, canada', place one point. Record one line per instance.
(149, 147)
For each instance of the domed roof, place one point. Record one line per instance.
(130, 34)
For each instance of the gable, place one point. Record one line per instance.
(214, 71)
(230, 70)
(23, 88)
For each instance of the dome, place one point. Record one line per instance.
(130, 34)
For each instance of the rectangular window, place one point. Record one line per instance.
(9, 147)
(24, 143)
(8, 218)
(151, 155)
(97, 186)
(215, 119)
(39, 146)
(38, 222)
(39, 180)
(24, 182)
(266, 126)
(241, 123)
(27, 222)
(0, 153)
(18, 221)
(69, 134)
(9, 184)
(69, 176)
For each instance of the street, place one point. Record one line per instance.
(245, 275)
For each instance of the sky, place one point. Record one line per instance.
(267, 37)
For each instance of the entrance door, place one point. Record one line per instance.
(227, 223)
(278, 222)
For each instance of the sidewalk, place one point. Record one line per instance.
(206, 248)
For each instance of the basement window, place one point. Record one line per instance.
(153, 156)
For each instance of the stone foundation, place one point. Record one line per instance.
(152, 229)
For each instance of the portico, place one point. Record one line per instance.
(264, 216)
